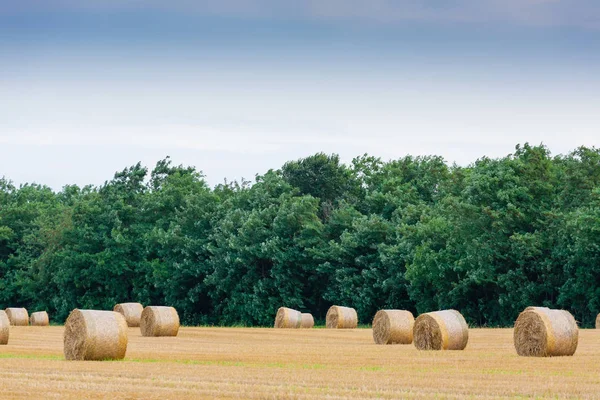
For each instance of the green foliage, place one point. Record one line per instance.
(323, 177)
(488, 239)
(260, 252)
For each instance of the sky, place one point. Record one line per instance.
(236, 87)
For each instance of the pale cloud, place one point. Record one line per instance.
(77, 114)
(175, 136)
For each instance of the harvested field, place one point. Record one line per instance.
(293, 364)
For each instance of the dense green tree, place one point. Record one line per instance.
(260, 254)
(97, 263)
(415, 233)
(22, 212)
(181, 211)
(323, 177)
(486, 250)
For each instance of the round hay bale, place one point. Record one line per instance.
(95, 335)
(159, 321)
(4, 327)
(18, 316)
(393, 327)
(39, 318)
(441, 330)
(598, 321)
(543, 332)
(132, 313)
(339, 317)
(288, 318)
(307, 321)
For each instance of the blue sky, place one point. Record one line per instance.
(237, 87)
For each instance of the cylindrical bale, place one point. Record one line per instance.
(441, 330)
(18, 316)
(339, 317)
(39, 318)
(393, 327)
(543, 332)
(95, 335)
(598, 321)
(132, 313)
(307, 321)
(4, 327)
(288, 318)
(159, 321)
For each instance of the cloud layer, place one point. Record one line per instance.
(572, 13)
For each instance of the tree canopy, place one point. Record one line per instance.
(415, 233)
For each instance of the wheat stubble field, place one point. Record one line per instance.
(260, 363)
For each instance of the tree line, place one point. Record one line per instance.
(416, 233)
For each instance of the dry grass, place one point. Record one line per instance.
(294, 364)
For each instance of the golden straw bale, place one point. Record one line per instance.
(95, 335)
(4, 327)
(339, 317)
(288, 318)
(543, 332)
(39, 318)
(18, 316)
(441, 330)
(598, 321)
(132, 313)
(159, 321)
(393, 327)
(307, 320)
